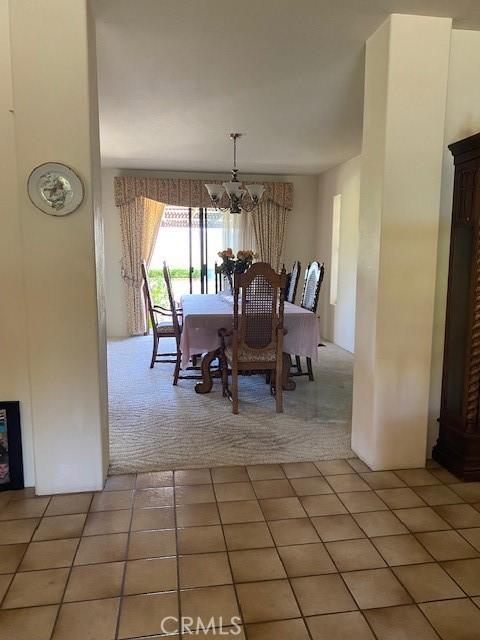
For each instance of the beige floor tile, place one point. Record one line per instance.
(151, 498)
(256, 564)
(476, 601)
(265, 471)
(340, 527)
(466, 573)
(50, 554)
(36, 588)
(293, 531)
(382, 480)
(472, 535)
(333, 467)
(95, 581)
(233, 632)
(219, 603)
(148, 614)
(194, 494)
(266, 601)
(310, 486)
(400, 623)
(438, 494)
(160, 518)
(200, 539)
(93, 619)
(18, 494)
(453, 619)
(273, 488)
(104, 522)
(22, 509)
(417, 477)
(204, 570)
(352, 555)
(403, 549)
(60, 527)
(421, 519)
(376, 588)
(112, 501)
(459, 516)
(230, 474)
(469, 491)
(249, 535)
(427, 582)
(328, 505)
(358, 466)
(149, 544)
(70, 503)
(340, 626)
(322, 594)
(446, 545)
(379, 523)
(445, 476)
(35, 623)
(193, 515)
(232, 491)
(361, 501)
(5, 580)
(120, 482)
(348, 482)
(300, 470)
(282, 508)
(108, 548)
(150, 575)
(153, 479)
(306, 560)
(400, 498)
(16, 531)
(192, 476)
(287, 629)
(10, 557)
(243, 511)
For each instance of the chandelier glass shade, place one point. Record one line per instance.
(235, 189)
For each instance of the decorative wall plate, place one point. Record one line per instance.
(55, 189)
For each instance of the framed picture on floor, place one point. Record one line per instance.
(11, 460)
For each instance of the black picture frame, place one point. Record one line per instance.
(11, 446)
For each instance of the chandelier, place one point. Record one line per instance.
(234, 188)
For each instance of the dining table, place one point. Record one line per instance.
(205, 314)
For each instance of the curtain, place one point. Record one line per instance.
(140, 220)
(269, 224)
(238, 232)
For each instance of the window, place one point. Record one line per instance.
(337, 206)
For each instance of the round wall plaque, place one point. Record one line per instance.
(55, 189)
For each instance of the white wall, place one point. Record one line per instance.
(299, 241)
(337, 322)
(462, 119)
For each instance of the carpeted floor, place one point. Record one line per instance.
(156, 426)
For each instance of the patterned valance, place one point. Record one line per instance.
(188, 193)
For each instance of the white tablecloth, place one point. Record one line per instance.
(204, 315)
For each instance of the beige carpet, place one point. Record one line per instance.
(155, 426)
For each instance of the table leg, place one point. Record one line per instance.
(287, 383)
(205, 386)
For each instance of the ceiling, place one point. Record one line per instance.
(176, 76)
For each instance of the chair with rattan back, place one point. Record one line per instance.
(257, 335)
(160, 321)
(314, 274)
(292, 282)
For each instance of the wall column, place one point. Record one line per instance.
(56, 119)
(406, 78)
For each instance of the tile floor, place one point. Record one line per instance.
(301, 551)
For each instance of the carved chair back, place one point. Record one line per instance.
(313, 281)
(173, 305)
(147, 292)
(218, 279)
(292, 282)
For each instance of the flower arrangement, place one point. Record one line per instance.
(231, 264)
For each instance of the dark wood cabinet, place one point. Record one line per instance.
(458, 445)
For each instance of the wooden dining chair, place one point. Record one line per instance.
(292, 282)
(218, 279)
(257, 335)
(314, 274)
(161, 321)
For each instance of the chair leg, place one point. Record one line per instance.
(155, 349)
(224, 373)
(310, 370)
(176, 373)
(298, 364)
(234, 388)
(268, 377)
(278, 390)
